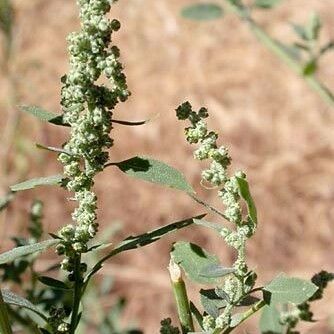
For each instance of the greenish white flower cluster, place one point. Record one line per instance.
(217, 175)
(87, 108)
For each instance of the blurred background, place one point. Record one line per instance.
(278, 131)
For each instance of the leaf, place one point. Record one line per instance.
(211, 302)
(141, 241)
(293, 51)
(13, 299)
(285, 289)
(44, 115)
(202, 12)
(266, 4)
(26, 250)
(270, 321)
(246, 195)
(310, 67)
(154, 171)
(327, 47)
(53, 283)
(41, 181)
(314, 27)
(300, 31)
(215, 271)
(193, 259)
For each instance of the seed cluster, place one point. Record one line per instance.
(217, 175)
(87, 108)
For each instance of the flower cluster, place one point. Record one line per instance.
(87, 108)
(217, 175)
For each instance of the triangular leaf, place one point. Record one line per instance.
(154, 171)
(41, 181)
(246, 195)
(53, 283)
(270, 321)
(44, 115)
(26, 250)
(193, 259)
(202, 12)
(285, 289)
(13, 299)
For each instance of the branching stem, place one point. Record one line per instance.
(274, 46)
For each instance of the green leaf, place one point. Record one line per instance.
(314, 27)
(285, 289)
(53, 283)
(142, 240)
(211, 302)
(310, 67)
(202, 12)
(41, 181)
(13, 299)
(215, 271)
(270, 321)
(193, 260)
(327, 47)
(44, 115)
(154, 171)
(26, 250)
(266, 4)
(246, 195)
(300, 31)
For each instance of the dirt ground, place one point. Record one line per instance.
(278, 130)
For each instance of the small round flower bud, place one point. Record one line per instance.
(60, 249)
(115, 25)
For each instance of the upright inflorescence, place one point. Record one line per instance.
(87, 108)
(217, 176)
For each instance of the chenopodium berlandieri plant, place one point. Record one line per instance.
(217, 175)
(87, 108)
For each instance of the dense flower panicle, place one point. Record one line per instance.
(87, 107)
(217, 175)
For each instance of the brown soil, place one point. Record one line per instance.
(278, 130)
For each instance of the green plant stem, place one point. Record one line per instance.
(272, 45)
(181, 298)
(256, 307)
(77, 294)
(206, 205)
(4, 319)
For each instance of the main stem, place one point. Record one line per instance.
(272, 45)
(77, 293)
(181, 298)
